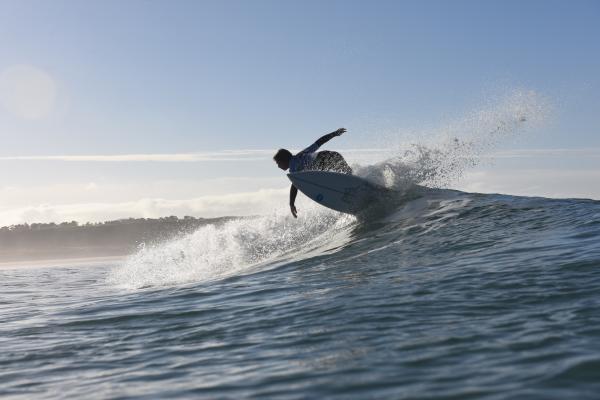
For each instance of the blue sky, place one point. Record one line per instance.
(158, 77)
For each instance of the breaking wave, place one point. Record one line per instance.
(422, 169)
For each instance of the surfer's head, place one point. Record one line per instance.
(282, 158)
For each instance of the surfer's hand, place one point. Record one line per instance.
(340, 131)
(294, 211)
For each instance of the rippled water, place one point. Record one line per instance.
(452, 295)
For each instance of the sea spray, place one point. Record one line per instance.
(446, 155)
(214, 252)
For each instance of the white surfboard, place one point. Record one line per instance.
(341, 192)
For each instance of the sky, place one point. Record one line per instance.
(119, 109)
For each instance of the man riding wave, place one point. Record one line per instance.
(311, 160)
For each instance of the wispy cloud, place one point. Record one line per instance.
(237, 204)
(97, 202)
(533, 153)
(223, 155)
(262, 154)
(226, 155)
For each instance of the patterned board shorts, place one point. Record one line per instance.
(330, 161)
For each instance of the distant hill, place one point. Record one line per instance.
(112, 238)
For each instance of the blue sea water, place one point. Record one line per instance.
(447, 296)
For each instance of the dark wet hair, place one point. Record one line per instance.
(282, 155)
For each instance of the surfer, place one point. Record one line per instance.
(311, 160)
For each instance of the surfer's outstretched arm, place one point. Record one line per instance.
(324, 139)
(293, 193)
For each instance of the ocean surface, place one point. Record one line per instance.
(449, 295)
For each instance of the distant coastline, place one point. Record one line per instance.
(71, 240)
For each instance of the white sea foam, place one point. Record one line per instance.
(214, 252)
